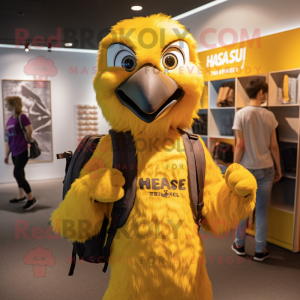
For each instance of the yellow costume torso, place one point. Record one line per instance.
(157, 254)
(163, 257)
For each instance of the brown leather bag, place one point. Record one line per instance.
(226, 94)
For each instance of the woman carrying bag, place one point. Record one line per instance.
(17, 144)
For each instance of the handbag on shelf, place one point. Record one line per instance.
(226, 94)
(223, 153)
(34, 150)
(200, 125)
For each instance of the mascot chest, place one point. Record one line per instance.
(162, 191)
(161, 223)
(162, 174)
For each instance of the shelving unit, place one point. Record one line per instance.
(284, 210)
(276, 83)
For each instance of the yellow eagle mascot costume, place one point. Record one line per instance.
(158, 54)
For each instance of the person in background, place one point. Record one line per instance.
(17, 145)
(257, 150)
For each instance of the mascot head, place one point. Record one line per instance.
(148, 76)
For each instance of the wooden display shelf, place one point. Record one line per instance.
(284, 140)
(284, 214)
(223, 107)
(289, 175)
(284, 105)
(276, 83)
(283, 207)
(222, 137)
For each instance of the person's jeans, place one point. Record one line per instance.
(264, 179)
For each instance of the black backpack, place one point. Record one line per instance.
(124, 154)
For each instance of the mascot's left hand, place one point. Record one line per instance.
(240, 180)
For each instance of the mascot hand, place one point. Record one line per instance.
(240, 180)
(104, 185)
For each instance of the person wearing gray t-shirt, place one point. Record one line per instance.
(257, 150)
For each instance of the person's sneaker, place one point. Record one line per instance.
(30, 204)
(260, 256)
(239, 250)
(16, 200)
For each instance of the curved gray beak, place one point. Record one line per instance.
(148, 93)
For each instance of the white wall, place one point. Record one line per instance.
(270, 16)
(67, 90)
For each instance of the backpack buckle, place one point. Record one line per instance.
(199, 222)
(200, 206)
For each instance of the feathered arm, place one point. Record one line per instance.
(226, 200)
(90, 198)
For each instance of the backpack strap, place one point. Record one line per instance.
(74, 164)
(22, 128)
(124, 158)
(196, 171)
(82, 155)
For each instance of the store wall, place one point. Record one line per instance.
(269, 16)
(67, 90)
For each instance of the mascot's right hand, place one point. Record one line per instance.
(240, 180)
(81, 203)
(104, 185)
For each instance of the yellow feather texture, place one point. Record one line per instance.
(158, 253)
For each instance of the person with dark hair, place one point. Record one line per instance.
(17, 145)
(257, 149)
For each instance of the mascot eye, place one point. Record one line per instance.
(125, 60)
(170, 61)
(175, 55)
(128, 63)
(120, 55)
(172, 58)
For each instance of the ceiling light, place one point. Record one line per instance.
(68, 44)
(136, 7)
(200, 8)
(26, 47)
